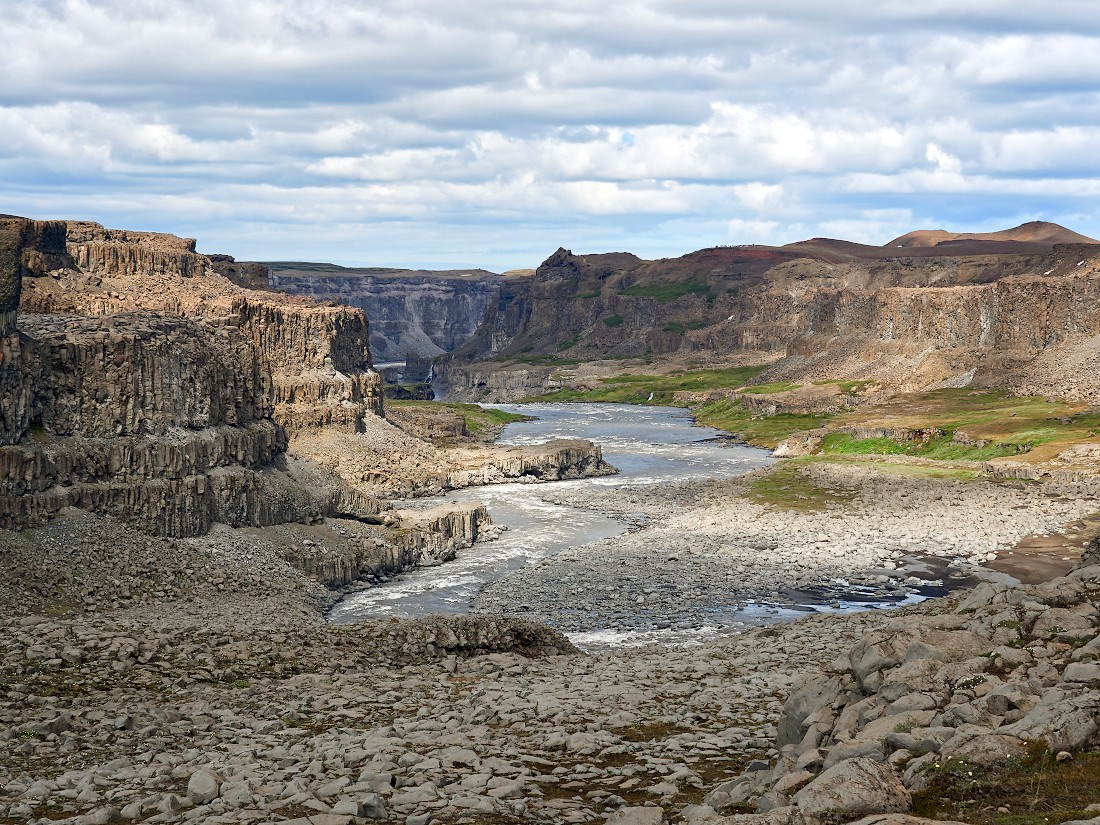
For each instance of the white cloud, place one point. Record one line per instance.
(645, 124)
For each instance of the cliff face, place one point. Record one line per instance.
(137, 384)
(317, 357)
(427, 313)
(816, 310)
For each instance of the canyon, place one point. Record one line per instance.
(426, 313)
(195, 463)
(139, 383)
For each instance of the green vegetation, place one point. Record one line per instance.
(991, 415)
(613, 321)
(847, 387)
(478, 418)
(572, 342)
(545, 360)
(774, 386)
(940, 449)
(668, 292)
(1034, 789)
(656, 389)
(788, 487)
(589, 295)
(765, 431)
(905, 727)
(997, 424)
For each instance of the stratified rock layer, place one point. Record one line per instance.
(410, 311)
(142, 385)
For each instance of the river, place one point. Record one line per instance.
(649, 445)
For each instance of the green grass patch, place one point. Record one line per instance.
(1036, 790)
(774, 386)
(789, 488)
(587, 296)
(764, 431)
(847, 387)
(613, 321)
(543, 360)
(668, 292)
(675, 326)
(991, 415)
(477, 418)
(572, 342)
(656, 389)
(938, 449)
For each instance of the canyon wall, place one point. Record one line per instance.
(410, 311)
(909, 321)
(137, 383)
(318, 356)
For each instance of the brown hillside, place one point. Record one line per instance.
(1034, 232)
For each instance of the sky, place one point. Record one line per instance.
(433, 133)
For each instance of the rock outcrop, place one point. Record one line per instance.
(1009, 670)
(318, 356)
(139, 384)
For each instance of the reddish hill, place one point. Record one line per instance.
(1033, 232)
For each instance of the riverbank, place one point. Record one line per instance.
(224, 698)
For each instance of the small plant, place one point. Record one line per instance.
(969, 682)
(907, 726)
(613, 321)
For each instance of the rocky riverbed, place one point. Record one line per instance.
(720, 553)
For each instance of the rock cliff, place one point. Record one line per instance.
(136, 383)
(410, 311)
(964, 311)
(317, 355)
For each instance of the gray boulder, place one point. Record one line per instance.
(854, 788)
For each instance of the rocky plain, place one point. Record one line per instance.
(168, 559)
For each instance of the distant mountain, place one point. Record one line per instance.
(1032, 232)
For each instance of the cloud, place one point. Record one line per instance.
(506, 131)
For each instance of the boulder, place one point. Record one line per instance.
(854, 788)
(203, 787)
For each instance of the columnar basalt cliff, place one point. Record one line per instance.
(130, 392)
(317, 355)
(964, 311)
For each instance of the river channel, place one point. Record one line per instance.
(649, 445)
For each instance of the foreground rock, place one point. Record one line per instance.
(1007, 669)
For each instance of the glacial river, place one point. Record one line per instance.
(649, 445)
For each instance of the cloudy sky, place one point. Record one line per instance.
(440, 133)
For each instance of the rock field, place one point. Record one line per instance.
(214, 692)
